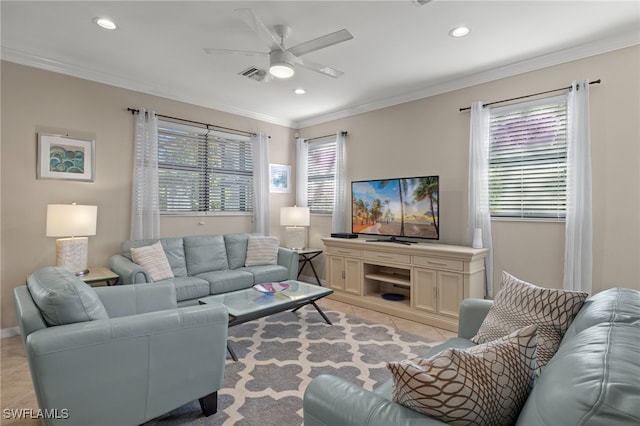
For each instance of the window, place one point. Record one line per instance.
(203, 171)
(528, 160)
(321, 175)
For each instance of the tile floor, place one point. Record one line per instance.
(16, 390)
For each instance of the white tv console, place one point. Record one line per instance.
(432, 278)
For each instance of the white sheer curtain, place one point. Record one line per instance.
(578, 259)
(339, 196)
(261, 204)
(302, 162)
(479, 216)
(145, 205)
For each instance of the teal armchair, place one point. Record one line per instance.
(117, 355)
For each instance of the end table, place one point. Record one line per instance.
(307, 256)
(100, 276)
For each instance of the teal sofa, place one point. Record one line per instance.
(118, 355)
(203, 265)
(593, 379)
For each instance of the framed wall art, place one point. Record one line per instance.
(279, 178)
(62, 157)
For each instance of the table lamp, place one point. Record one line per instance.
(76, 222)
(296, 219)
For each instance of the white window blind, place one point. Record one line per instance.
(321, 175)
(203, 171)
(528, 160)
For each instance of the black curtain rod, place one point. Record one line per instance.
(598, 81)
(325, 136)
(207, 125)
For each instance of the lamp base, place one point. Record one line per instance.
(72, 254)
(295, 237)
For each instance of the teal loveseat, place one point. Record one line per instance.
(203, 265)
(593, 379)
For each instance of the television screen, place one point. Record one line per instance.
(402, 207)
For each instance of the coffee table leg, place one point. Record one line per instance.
(232, 353)
(313, 302)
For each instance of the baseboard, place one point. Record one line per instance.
(8, 332)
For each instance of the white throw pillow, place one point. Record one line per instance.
(262, 251)
(484, 385)
(154, 260)
(519, 304)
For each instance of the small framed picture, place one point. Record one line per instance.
(279, 178)
(62, 157)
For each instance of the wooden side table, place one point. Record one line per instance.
(100, 276)
(307, 256)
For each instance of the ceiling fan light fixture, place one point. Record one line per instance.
(281, 64)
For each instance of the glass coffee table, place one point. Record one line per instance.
(250, 304)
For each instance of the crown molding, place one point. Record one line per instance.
(23, 58)
(621, 41)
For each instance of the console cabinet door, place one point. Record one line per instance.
(424, 289)
(335, 272)
(450, 293)
(345, 274)
(352, 276)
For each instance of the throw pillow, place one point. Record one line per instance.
(63, 298)
(154, 260)
(262, 251)
(484, 385)
(518, 304)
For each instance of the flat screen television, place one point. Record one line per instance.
(399, 210)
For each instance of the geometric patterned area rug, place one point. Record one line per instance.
(279, 355)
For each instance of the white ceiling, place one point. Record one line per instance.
(400, 51)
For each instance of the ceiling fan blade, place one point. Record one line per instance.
(214, 51)
(252, 20)
(322, 69)
(320, 42)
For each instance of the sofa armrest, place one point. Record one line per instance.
(472, 313)
(289, 259)
(140, 364)
(330, 400)
(123, 300)
(129, 272)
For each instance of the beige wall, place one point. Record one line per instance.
(428, 136)
(34, 100)
(431, 136)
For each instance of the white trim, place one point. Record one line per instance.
(598, 47)
(9, 332)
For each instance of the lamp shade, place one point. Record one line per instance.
(294, 216)
(71, 220)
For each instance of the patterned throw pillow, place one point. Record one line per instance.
(519, 304)
(484, 385)
(154, 260)
(262, 251)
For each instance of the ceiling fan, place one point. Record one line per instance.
(282, 59)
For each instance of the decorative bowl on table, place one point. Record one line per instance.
(271, 288)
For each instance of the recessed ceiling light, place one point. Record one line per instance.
(459, 31)
(105, 23)
(300, 91)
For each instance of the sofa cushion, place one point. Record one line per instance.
(613, 305)
(592, 380)
(267, 273)
(63, 298)
(205, 253)
(519, 304)
(484, 385)
(262, 251)
(189, 287)
(236, 249)
(153, 259)
(173, 249)
(226, 281)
